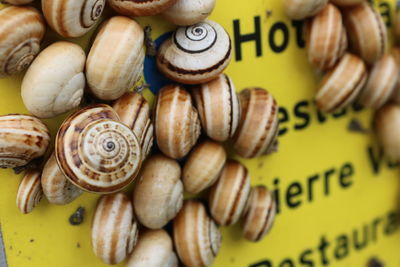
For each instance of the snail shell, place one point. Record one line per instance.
(29, 192)
(72, 18)
(229, 195)
(16, 2)
(301, 9)
(56, 187)
(114, 229)
(176, 122)
(140, 7)
(259, 122)
(96, 152)
(154, 248)
(341, 85)
(21, 31)
(397, 26)
(134, 111)
(396, 55)
(47, 95)
(22, 139)
(347, 3)
(195, 54)
(196, 237)
(112, 69)
(259, 214)
(203, 166)
(219, 107)
(189, 12)
(156, 205)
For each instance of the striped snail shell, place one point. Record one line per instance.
(114, 228)
(189, 12)
(156, 205)
(16, 2)
(56, 187)
(96, 152)
(397, 26)
(177, 124)
(140, 7)
(111, 70)
(72, 18)
(21, 31)
(218, 106)
(229, 195)
(259, 214)
(347, 3)
(301, 9)
(195, 54)
(259, 122)
(196, 237)
(134, 111)
(203, 166)
(29, 192)
(47, 96)
(22, 139)
(151, 241)
(396, 94)
(341, 85)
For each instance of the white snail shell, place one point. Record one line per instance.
(114, 229)
(21, 31)
(195, 54)
(111, 70)
(55, 82)
(16, 2)
(189, 12)
(301, 9)
(29, 191)
(72, 18)
(140, 7)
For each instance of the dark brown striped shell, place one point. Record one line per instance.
(16, 2)
(29, 191)
(140, 7)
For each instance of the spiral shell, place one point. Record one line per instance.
(96, 152)
(196, 237)
(134, 111)
(22, 139)
(176, 122)
(21, 32)
(156, 205)
(47, 96)
(189, 12)
(140, 7)
(347, 3)
(219, 108)
(301, 9)
(29, 192)
(114, 229)
(229, 195)
(203, 166)
(16, 2)
(195, 54)
(112, 69)
(341, 85)
(259, 214)
(259, 122)
(151, 241)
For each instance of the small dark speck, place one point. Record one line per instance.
(355, 125)
(77, 217)
(78, 245)
(11, 247)
(268, 13)
(32, 240)
(19, 252)
(374, 262)
(260, 165)
(232, 260)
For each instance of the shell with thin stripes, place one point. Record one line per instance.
(195, 54)
(341, 85)
(96, 152)
(140, 7)
(22, 139)
(177, 124)
(196, 237)
(347, 3)
(156, 205)
(259, 215)
(16, 2)
(218, 106)
(29, 191)
(258, 128)
(397, 26)
(115, 61)
(189, 12)
(114, 228)
(301, 9)
(21, 32)
(396, 94)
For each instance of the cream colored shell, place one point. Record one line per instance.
(29, 191)
(301, 9)
(189, 12)
(140, 7)
(17, 2)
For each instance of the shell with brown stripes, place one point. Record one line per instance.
(96, 152)
(72, 18)
(229, 195)
(195, 54)
(115, 61)
(341, 85)
(134, 111)
(156, 205)
(114, 228)
(22, 139)
(16, 2)
(219, 108)
(203, 166)
(196, 237)
(258, 128)
(301, 9)
(177, 124)
(347, 3)
(29, 191)
(396, 55)
(140, 7)
(189, 12)
(21, 31)
(259, 214)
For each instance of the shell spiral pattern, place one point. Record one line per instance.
(140, 7)
(29, 191)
